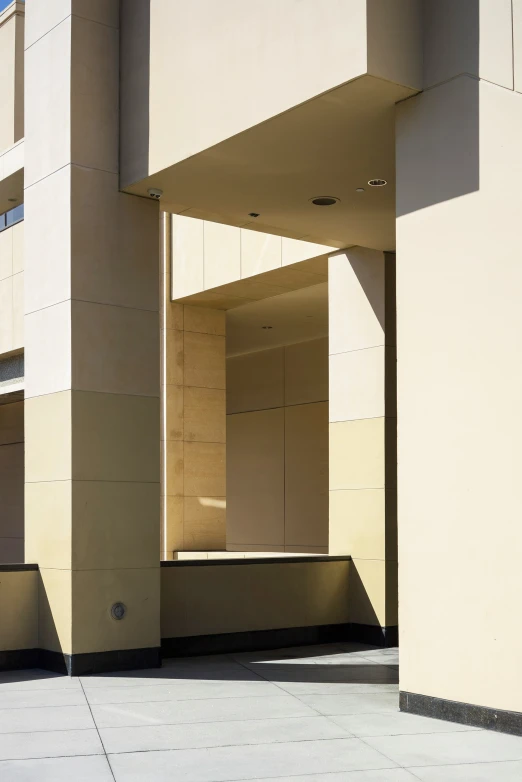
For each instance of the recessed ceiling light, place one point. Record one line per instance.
(253, 214)
(359, 190)
(12, 200)
(324, 200)
(266, 327)
(377, 182)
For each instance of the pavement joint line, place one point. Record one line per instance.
(159, 724)
(467, 762)
(99, 736)
(163, 700)
(287, 776)
(53, 757)
(397, 765)
(239, 746)
(254, 744)
(289, 694)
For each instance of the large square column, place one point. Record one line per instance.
(92, 353)
(362, 413)
(459, 338)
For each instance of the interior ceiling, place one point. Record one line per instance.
(11, 187)
(329, 146)
(296, 316)
(9, 397)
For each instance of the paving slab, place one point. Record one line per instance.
(448, 748)
(206, 710)
(35, 679)
(80, 769)
(371, 703)
(216, 734)
(45, 718)
(48, 744)
(396, 724)
(18, 699)
(225, 764)
(508, 771)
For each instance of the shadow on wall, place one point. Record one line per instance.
(360, 598)
(48, 640)
(451, 32)
(134, 90)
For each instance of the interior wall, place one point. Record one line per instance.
(12, 482)
(277, 449)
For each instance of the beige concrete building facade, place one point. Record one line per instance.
(259, 336)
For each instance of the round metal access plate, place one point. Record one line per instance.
(118, 610)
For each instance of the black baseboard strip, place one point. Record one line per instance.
(463, 713)
(260, 640)
(374, 635)
(256, 640)
(221, 643)
(18, 659)
(253, 560)
(99, 662)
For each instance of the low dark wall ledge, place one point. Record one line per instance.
(252, 561)
(463, 713)
(16, 568)
(19, 659)
(99, 662)
(263, 640)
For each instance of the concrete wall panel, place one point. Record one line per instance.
(468, 37)
(459, 391)
(278, 399)
(257, 42)
(517, 44)
(19, 610)
(12, 482)
(306, 475)
(201, 600)
(255, 483)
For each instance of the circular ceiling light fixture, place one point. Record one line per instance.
(325, 200)
(12, 200)
(377, 182)
(360, 190)
(266, 328)
(253, 214)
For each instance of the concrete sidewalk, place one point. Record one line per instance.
(310, 714)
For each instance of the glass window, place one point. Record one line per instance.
(11, 217)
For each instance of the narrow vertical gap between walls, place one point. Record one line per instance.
(241, 252)
(164, 303)
(284, 448)
(203, 246)
(182, 391)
